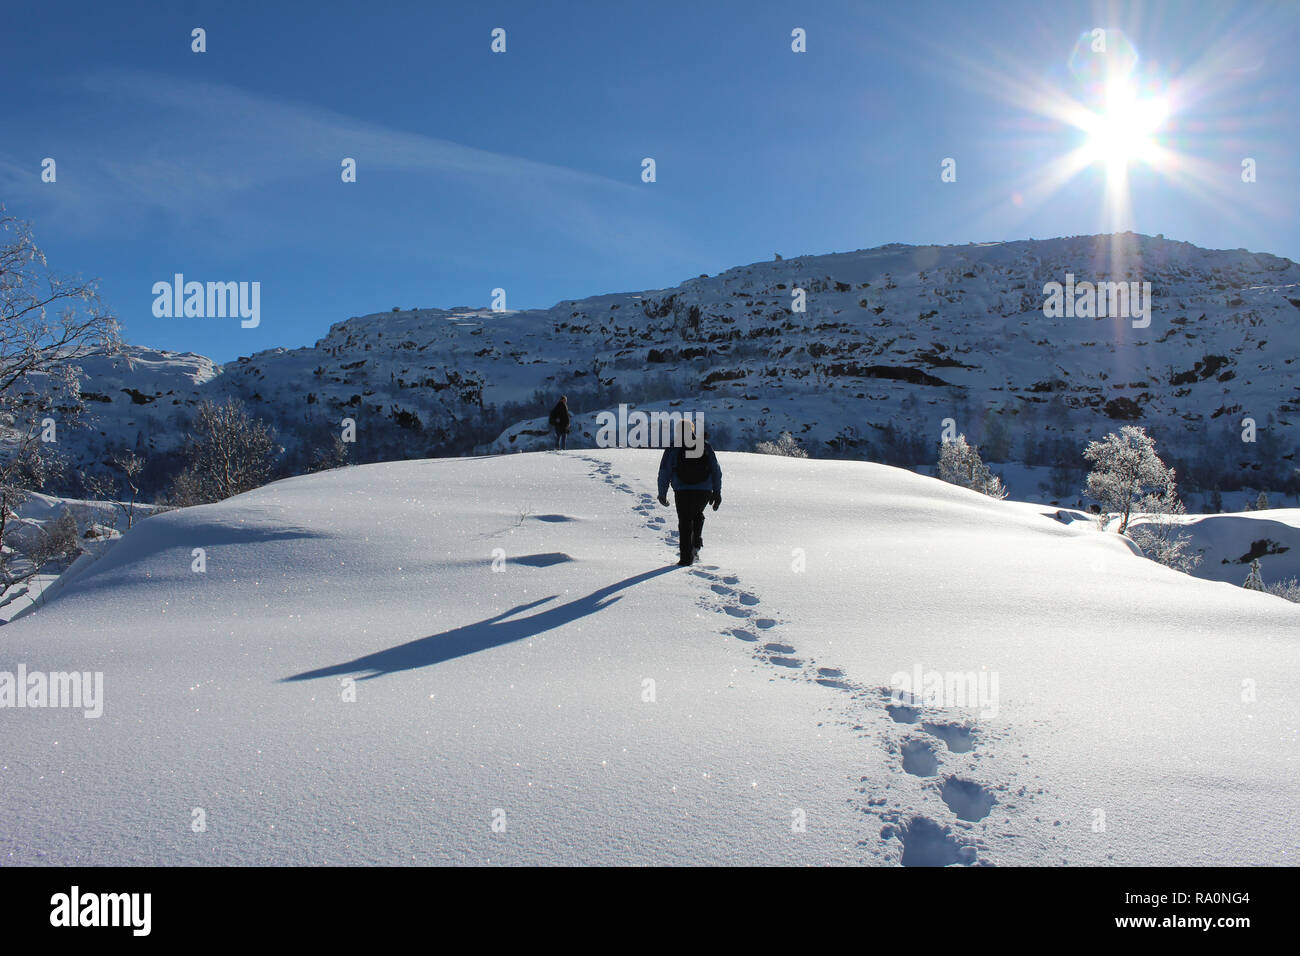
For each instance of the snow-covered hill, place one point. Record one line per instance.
(892, 341)
(600, 705)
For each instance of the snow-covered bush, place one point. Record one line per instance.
(784, 445)
(1259, 504)
(1285, 589)
(1290, 590)
(1128, 475)
(1161, 536)
(59, 541)
(960, 464)
(229, 452)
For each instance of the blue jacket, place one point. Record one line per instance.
(668, 472)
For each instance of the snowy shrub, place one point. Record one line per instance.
(1128, 475)
(334, 454)
(230, 452)
(784, 445)
(1162, 538)
(59, 541)
(1259, 504)
(1289, 590)
(960, 464)
(1285, 589)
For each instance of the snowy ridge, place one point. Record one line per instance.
(893, 341)
(522, 694)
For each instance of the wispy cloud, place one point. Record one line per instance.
(153, 149)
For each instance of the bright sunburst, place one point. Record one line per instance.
(1124, 131)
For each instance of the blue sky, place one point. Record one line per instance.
(522, 170)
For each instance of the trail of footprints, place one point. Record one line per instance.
(921, 840)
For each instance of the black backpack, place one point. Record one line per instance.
(693, 471)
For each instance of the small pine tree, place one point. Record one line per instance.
(1261, 503)
(1255, 581)
(960, 464)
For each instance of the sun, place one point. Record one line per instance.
(1124, 131)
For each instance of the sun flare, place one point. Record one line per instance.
(1125, 129)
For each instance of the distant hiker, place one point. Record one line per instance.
(560, 421)
(692, 470)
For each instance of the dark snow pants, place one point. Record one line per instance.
(690, 519)
(561, 438)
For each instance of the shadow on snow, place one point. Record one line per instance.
(503, 628)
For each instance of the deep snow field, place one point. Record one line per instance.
(601, 705)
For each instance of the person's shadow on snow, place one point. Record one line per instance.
(479, 636)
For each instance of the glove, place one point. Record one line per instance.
(717, 500)
(663, 500)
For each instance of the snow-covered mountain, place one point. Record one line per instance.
(890, 343)
(494, 660)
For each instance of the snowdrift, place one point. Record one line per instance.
(494, 660)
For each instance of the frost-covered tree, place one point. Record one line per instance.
(47, 323)
(960, 464)
(784, 445)
(229, 452)
(1255, 580)
(131, 466)
(1128, 475)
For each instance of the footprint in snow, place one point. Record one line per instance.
(967, 799)
(832, 677)
(903, 714)
(918, 758)
(959, 738)
(834, 683)
(791, 662)
(927, 843)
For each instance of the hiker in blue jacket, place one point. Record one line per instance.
(696, 478)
